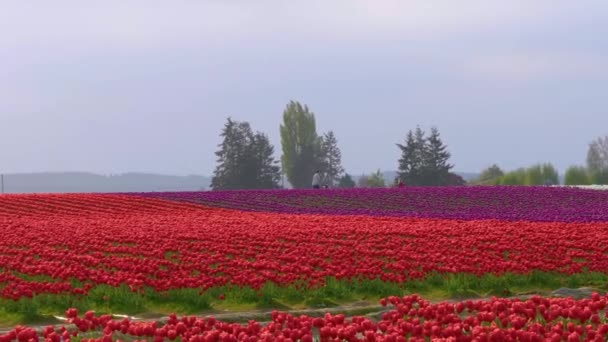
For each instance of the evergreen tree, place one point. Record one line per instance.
(421, 156)
(232, 148)
(302, 148)
(455, 180)
(267, 170)
(436, 166)
(424, 161)
(245, 159)
(333, 157)
(409, 163)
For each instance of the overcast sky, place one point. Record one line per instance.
(114, 86)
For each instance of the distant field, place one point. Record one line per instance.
(242, 250)
(558, 204)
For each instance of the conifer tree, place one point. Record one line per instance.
(333, 157)
(245, 159)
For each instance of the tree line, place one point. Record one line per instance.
(245, 158)
(594, 172)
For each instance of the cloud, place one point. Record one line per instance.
(139, 23)
(539, 65)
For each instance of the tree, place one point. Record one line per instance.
(597, 154)
(489, 175)
(301, 146)
(549, 174)
(455, 180)
(333, 157)
(245, 159)
(516, 177)
(597, 160)
(375, 180)
(436, 166)
(267, 170)
(539, 174)
(534, 175)
(346, 181)
(576, 175)
(411, 163)
(424, 161)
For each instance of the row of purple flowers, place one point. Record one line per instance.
(549, 204)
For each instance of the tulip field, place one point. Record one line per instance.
(194, 252)
(410, 318)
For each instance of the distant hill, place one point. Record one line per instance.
(60, 182)
(78, 182)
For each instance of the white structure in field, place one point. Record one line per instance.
(589, 187)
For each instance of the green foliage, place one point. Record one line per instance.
(540, 174)
(549, 174)
(245, 159)
(346, 181)
(374, 180)
(489, 176)
(516, 177)
(577, 175)
(599, 177)
(302, 147)
(534, 175)
(424, 161)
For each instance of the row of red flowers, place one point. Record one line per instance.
(114, 240)
(412, 318)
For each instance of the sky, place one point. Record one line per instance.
(120, 86)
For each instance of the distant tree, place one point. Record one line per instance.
(436, 166)
(413, 155)
(455, 180)
(489, 175)
(597, 160)
(230, 155)
(245, 159)
(424, 161)
(516, 177)
(534, 175)
(597, 154)
(576, 175)
(374, 180)
(333, 157)
(301, 146)
(408, 163)
(550, 174)
(267, 169)
(539, 174)
(346, 181)
(363, 181)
